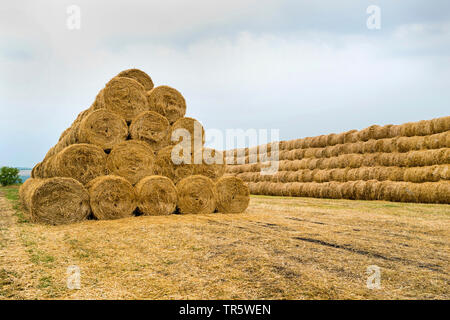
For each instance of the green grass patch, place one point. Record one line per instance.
(45, 282)
(12, 194)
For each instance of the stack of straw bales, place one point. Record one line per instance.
(115, 161)
(408, 163)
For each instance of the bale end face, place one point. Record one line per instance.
(196, 195)
(156, 195)
(56, 201)
(111, 197)
(233, 195)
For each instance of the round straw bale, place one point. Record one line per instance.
(441, 124)
(140, 76)
(126, 97)
(57, 201)
(165, 165)
(193, 127)
(151, 127)
(369, 146)
(99, 102)
(211, 163)
(368, 133)
(442, 191)
(168, 102)
(64, 133)
(396, 174)
(233, 195)
(196, 195)
(111, 197)
(36, 172)
(82, 162)
(332, 139)
(307, 142)
(382, 132)
(350, 136)
(49, 168)
(423, 128)
(23, 192)
(132, 160)
(103, 128)
(407, 130)
(156, 196)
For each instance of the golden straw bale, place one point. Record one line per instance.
(396, 174)
(168, 102)
(323, 141)
(23, 193)
(423, 128)
(368, 133)
(380, 145)
(315, 142)
(352, 175)
(351, 136)
(99, 102)
(395, 131)
(140, 76)
(196, 195)
(441, 124)
(443, 171)
(332, 139)
(156, 195)
(364, 173)
(233, 195)
(321, 176)
(309, 153)
(37, 171)
(111, 197)
(64, 133)
(103, 128)
(421, 174)
(210, 163)
(126, 97)
(440, 192)
(132, 160)
(382, 132)
(369, 146)
(307, 142)
(298, 144)
(405, 144)
(328, 151)
(152, 128)
(56, 201)
(82, 162)
(165, 165)
(407, 129)
(193, 127)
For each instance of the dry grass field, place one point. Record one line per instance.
(280, 248)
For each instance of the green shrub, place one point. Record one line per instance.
(9, 176)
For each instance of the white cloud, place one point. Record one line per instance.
(301, 81)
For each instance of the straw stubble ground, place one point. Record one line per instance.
(281, 248)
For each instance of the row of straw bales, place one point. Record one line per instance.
(413, 157)
(117, 161)
(391, 145)
(409, 159)
(428, 192)
(63, 200)
(374, 132)
(415, 174)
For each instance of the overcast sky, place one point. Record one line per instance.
(303, 67)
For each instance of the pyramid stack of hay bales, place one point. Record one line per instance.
(119, 159)
(407, 163)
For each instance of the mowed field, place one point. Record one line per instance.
(280, 248)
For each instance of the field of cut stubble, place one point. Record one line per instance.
(280, 248)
